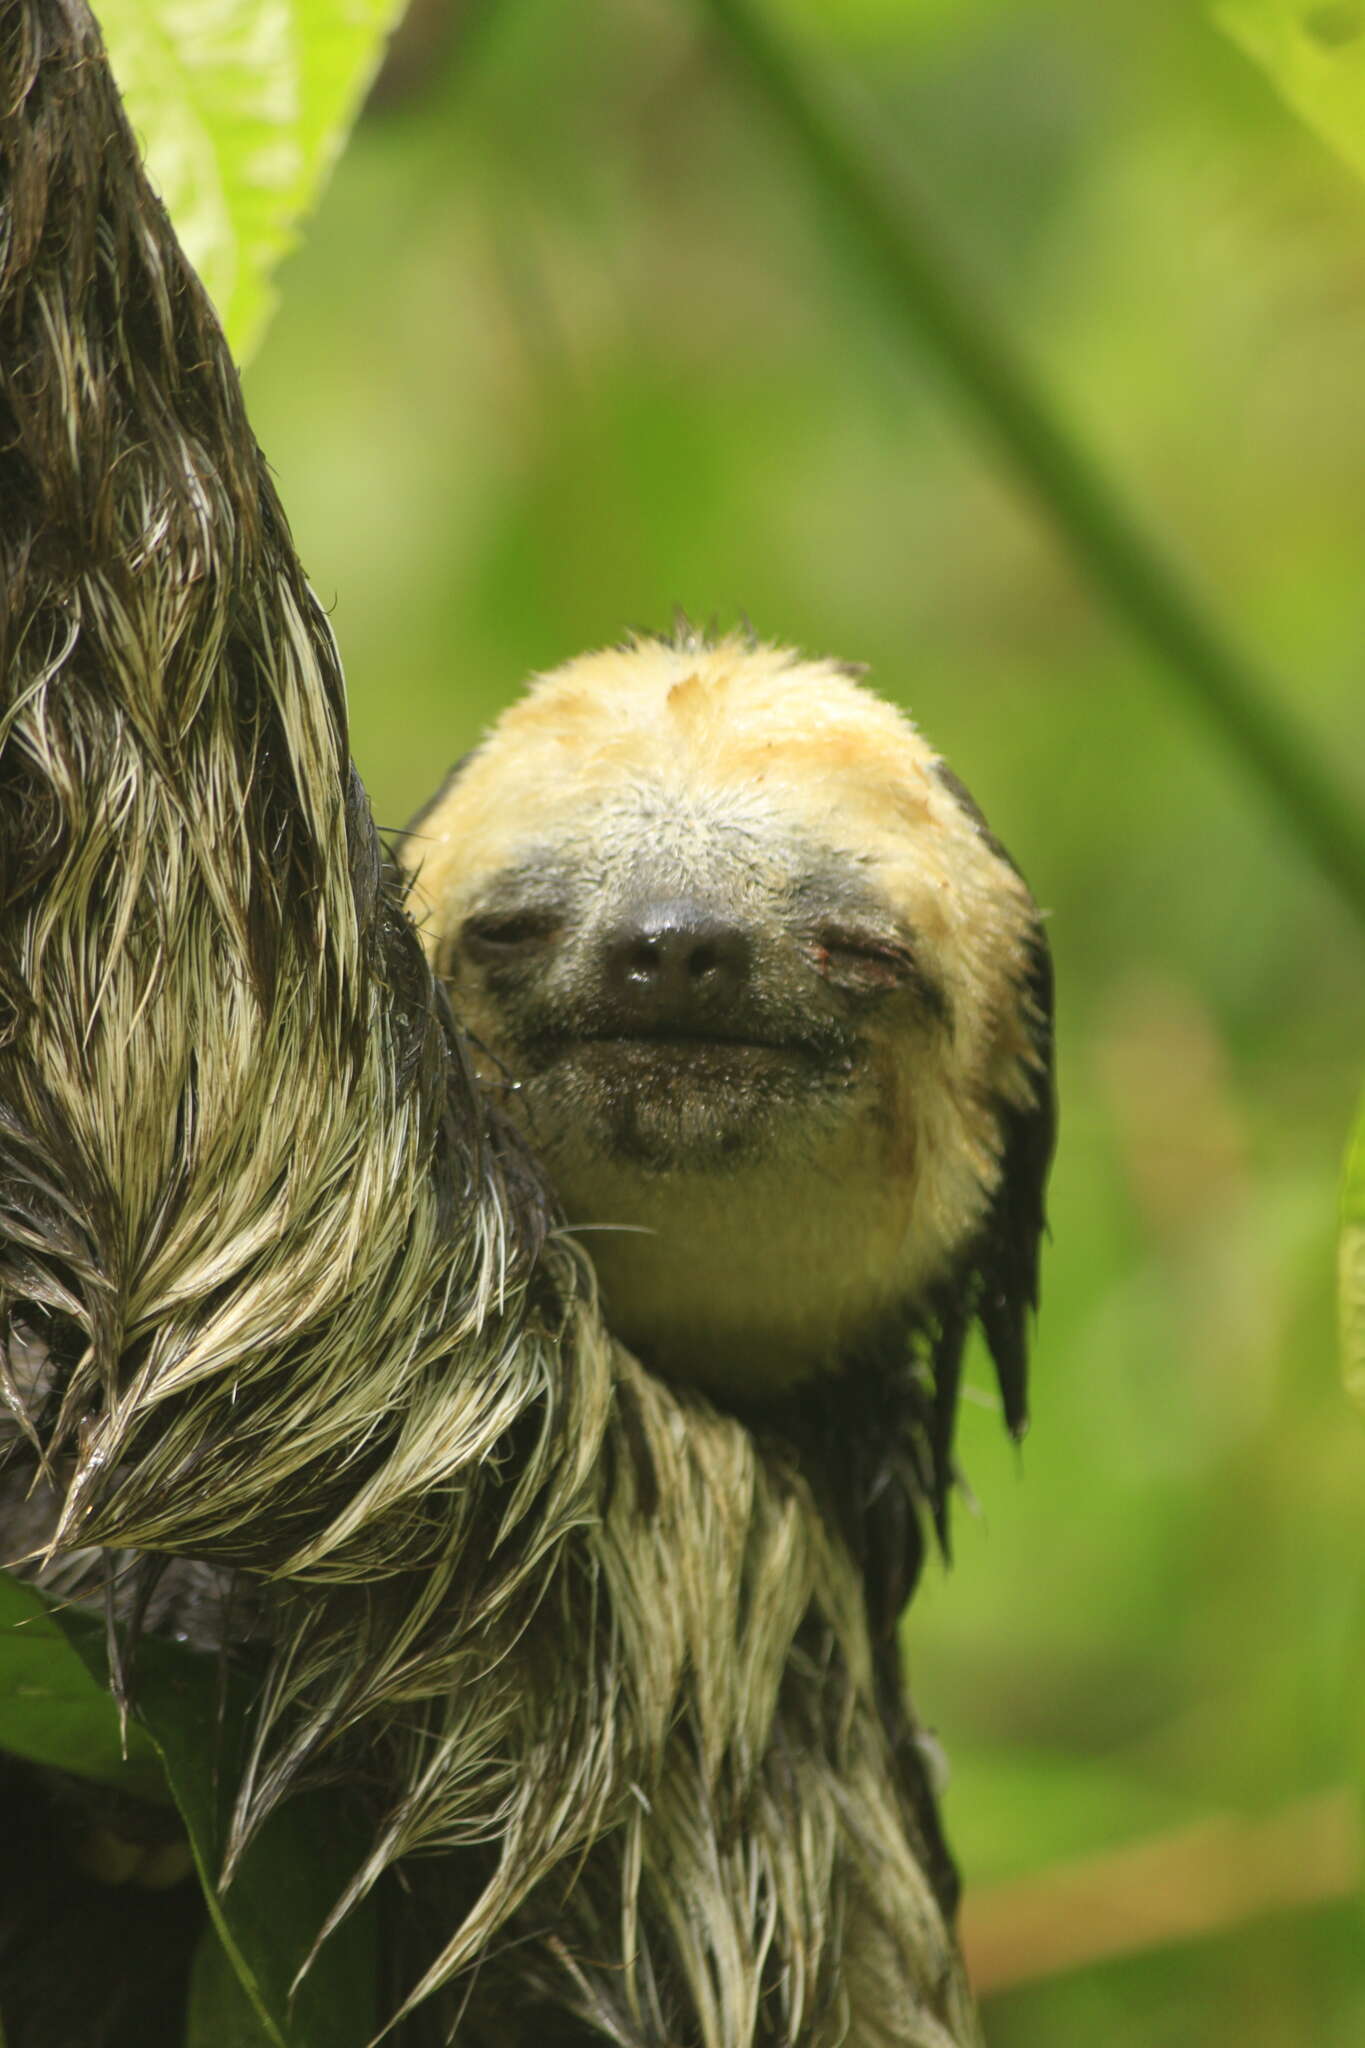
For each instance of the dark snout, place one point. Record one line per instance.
(673, 966)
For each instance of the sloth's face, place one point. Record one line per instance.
(750, 977)
(706, 1035)
(674, 993)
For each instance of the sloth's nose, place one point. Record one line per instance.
(677, 963)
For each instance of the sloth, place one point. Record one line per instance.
(746, 966)
(773, 1007)
(580, 1569)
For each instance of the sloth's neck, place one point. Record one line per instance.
(737, 1283)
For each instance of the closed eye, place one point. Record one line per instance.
(869, 963)
(504, 936)
(844, 951)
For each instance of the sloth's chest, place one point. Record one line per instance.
(747, 1283)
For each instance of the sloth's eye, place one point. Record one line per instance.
(862, 960)
(864, 963)
(509, 935)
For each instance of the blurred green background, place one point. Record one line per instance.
(570, 344)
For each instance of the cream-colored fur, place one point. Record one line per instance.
(736, 767)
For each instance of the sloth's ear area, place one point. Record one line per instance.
(997, 1284)
(1002, 1278)
(1007, 1263)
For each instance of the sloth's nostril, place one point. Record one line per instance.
(641, 962)
(673, 964)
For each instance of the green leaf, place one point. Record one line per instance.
(220, 2013)
(287, 1882)
(242, 108)
(1313, 51)
(55, 1709)
(1351, 1267)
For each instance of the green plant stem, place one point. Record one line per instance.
(925, 288)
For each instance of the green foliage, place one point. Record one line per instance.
(185, 1743)
(931, 302)
(220, 2012)
(1352, 1263)
(242, 109)
(56, 1710)
(286, 1884)
(1313, 52)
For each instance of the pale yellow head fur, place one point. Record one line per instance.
(747, 757)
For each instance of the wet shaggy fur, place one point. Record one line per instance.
(287, 1318)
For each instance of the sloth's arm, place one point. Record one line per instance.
(252, 1208)
(274, 1293)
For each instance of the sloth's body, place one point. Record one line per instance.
(766, 994)
(612, 1664)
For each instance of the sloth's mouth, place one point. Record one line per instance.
(767, 1056)
(671, 1101)
(730, 1080)
(705, 1057)
(699, 1042)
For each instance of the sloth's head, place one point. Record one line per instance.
(768, 999)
